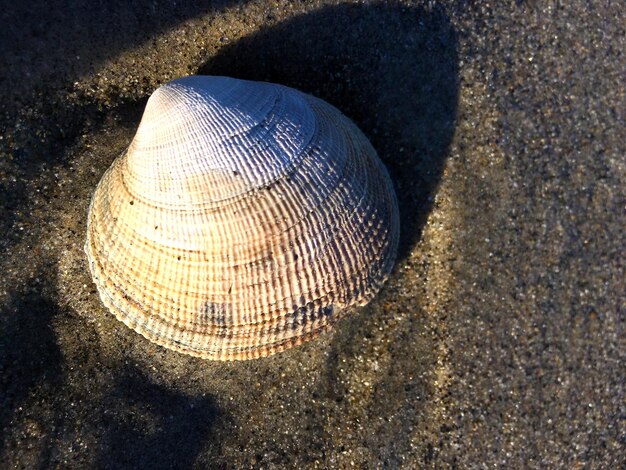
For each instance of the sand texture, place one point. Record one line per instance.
(498, 340)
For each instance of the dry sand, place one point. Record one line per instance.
(499, 340)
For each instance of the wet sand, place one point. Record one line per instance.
(499, 339)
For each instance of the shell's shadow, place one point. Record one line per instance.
(402, 94)
(150, 426)
(31, 363)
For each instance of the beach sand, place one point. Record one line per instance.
(497, 342)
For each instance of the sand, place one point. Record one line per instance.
(499, 339)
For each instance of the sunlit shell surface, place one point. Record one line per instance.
(242, 220)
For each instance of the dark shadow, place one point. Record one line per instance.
(149, 426)
(30, 358)
(401, 93)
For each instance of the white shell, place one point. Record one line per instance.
(243, 218)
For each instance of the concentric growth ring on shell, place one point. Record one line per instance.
(242, 220)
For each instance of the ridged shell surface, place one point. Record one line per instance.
(242, 220)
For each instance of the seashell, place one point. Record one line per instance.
(242, 220)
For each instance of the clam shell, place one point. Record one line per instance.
(242, 220)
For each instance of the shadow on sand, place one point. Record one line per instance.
(31, 363)
(150, 426)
